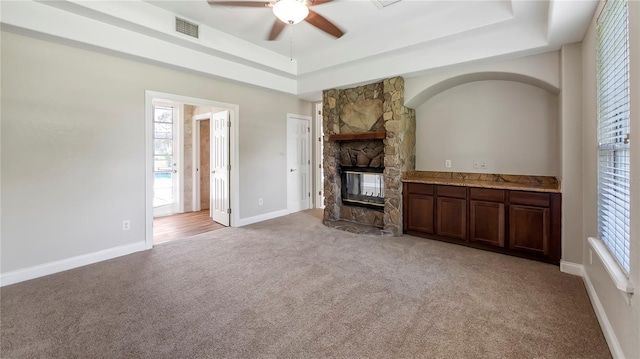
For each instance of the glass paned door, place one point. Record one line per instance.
(164, 163)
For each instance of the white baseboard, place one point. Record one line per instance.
(572, 268)
(261, 217)
(605, 325)
(42, 270)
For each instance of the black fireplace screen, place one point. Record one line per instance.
(364, 188)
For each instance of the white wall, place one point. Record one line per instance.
(571, 148)
(73, 147)
(619, 318)
(510, 125)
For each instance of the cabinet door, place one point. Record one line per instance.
(451, 216)
(420, 213)
(529, 229)
(486, 224)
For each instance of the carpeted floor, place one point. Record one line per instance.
(293, 288)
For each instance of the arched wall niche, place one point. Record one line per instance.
(428, 92)
(510, 122)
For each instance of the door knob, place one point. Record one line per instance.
(213, 171)
(292, 170)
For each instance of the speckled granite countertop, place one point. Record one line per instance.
(485, 180)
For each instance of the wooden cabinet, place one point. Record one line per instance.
(521, 223)
(534, 224)
(421, 208)
(435, 210)
(419, 204)
(487, 216)
(451, 212)
(486, 223)
(529, 229)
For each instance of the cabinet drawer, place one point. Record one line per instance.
(486, 194)
(452, 191)
(529, 198)
(420, 188)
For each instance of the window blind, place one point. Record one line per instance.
(612, 51)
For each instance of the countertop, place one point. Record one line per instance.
(485, 180)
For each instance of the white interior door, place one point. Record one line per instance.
(165, 160)
(299, 163)
(219, 181)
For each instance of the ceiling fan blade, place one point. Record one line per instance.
(323, 24)
(241, 3)
(277, 28)
(318, 2)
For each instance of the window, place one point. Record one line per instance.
(612, 51)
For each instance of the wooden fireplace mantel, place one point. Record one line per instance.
(358, 136)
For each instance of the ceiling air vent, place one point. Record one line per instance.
(185, 27)
(384, 3)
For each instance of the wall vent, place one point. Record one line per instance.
(185, 27)
(384, 3)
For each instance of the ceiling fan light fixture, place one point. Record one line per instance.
(291, 11)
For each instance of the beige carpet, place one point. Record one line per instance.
(292, 288)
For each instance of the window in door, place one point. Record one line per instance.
(163, 156)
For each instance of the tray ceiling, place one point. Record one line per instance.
(407, 38)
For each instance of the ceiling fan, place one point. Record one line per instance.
(289, 12)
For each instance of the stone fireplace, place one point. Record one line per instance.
(369, 140)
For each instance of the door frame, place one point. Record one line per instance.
(234, 158)
(196, 206)
(319, 157)
(293, 116)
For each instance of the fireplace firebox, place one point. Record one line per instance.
(363, 187)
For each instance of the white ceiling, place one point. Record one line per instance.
(368, 30)
(408, 38)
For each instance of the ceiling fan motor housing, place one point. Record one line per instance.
(291, 11)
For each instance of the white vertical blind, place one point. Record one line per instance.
(613, 129)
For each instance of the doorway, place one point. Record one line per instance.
(298, 162)
(181, 166)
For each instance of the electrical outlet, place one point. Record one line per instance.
(447, 163)
(476, 164)
(260, 202)
(483, 165)
(126, 225)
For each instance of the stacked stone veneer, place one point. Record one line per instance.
(362, 154)
(370, 108)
